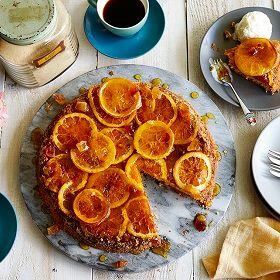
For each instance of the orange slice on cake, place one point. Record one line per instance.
(195, 145)
(185, 126)
(255, 56)
(156, 105)
(136, 163)
(133, 173)
(154, 140)
(147, 99)
(123, 142)
(148, 104)
(141, 223)
(90, 206)
(60, 170)
(113, 184)
(65, 197)
(114, 226)
(96, 155)
(192, 172)
(119, 97)
(72, 129)
(102, 116)
(156, 168)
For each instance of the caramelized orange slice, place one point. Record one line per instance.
(156, 168)
(60, 170)
(65, 197)
(154, 140)
(113, 183)
(158, 106)
(141, 222)
(123, 142)
(90, 206)
(72, 129)
(147, 100)
(192, 172)
(133, 173)
(195, 145)
(119, 97)
(99, 155)
(102, 116)
(255, 57)
(185, 126)
(114, 226)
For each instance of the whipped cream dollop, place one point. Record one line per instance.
(253, 25)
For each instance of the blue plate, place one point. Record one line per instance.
(125, 48)
(8, 226)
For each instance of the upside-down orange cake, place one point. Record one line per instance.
(257, 60)
(93, 153)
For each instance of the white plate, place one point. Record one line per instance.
(267, 184)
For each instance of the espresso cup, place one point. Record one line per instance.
(120, 31)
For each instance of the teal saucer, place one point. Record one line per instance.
(8, 226)
(125, 47)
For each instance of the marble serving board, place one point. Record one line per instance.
(174, 214)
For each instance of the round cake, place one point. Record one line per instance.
(93, 155)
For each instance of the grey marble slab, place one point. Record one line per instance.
(174, 214)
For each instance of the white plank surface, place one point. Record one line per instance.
(245, 204)
(32, 257)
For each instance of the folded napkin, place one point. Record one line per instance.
(251, 250)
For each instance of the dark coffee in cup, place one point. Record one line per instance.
(123, 13)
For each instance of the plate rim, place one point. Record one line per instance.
(277, 118)
(210, 230)
(261, 198)
(124, 57)
(232, 102)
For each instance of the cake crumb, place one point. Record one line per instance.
(53, 229)
(228, 35)
(120, 264)
(48, 107)
(59, 98)
(82, 90)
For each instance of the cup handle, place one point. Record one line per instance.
(93, 2)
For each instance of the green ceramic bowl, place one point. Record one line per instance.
(8, 226)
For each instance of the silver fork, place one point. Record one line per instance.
(222, 74)
(274, 157)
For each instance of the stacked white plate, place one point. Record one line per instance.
(267, 185)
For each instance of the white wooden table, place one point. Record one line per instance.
(32, 257)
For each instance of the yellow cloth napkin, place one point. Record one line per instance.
(251, 250)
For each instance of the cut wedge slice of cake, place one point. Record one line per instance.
(257, 60)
